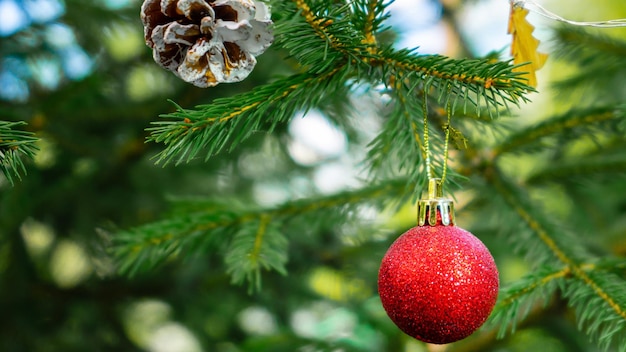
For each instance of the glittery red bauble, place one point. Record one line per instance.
(438, 283)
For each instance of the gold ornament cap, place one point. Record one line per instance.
(434, 209)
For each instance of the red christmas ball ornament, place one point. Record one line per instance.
(437, 282)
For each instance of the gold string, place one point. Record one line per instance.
(429, 172)
(446, 143)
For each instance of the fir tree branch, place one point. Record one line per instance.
(15, 144)
(146, 246)
(225, 123)
(464, 72)
(521, 206)
(515, 301)
(228, 121)
(600, 58)
(514, 293)
(496, 83)
(576, 121)
(454, 80)
(581, 168)
(471, 74)
(254, 249)
(581, 46)
(605, 324)
(593, 288)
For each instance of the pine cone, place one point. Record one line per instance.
(206, 42)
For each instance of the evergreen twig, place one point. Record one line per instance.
(347, 54)
(14, 145)
(601, 62)
(229, 121)
(251, 229)
(590, 292)
(582, 168)
(518, 299)
(570, 124)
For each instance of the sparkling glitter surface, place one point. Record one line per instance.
(438, 283)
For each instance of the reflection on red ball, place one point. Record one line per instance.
(438, 283)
